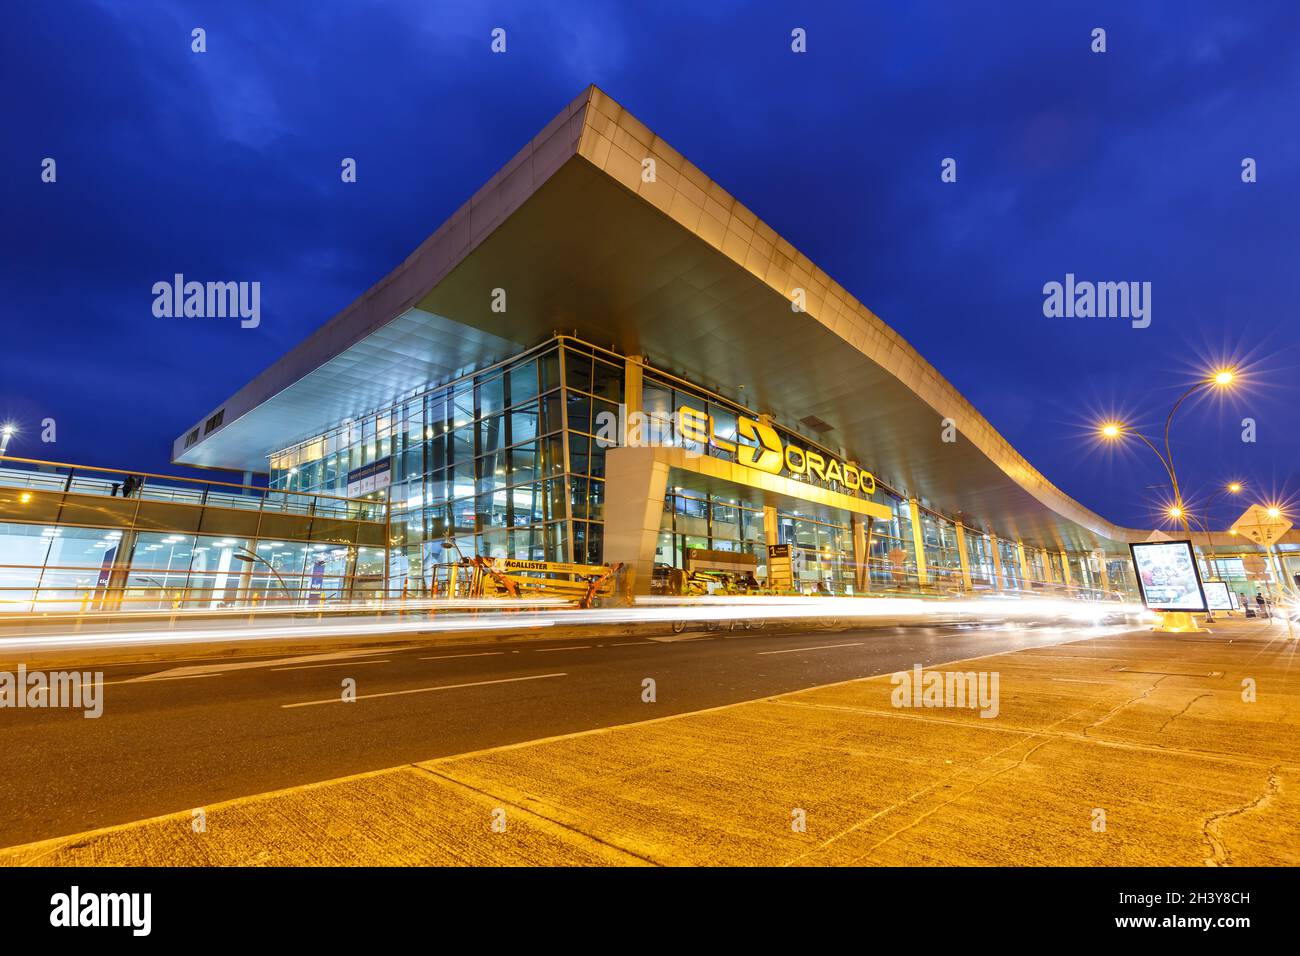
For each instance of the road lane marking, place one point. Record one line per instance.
(631, 644)
(447, 657)
(308, 667)
(204, 670)
(819, 647)
(1079, 680)
(422, 690)
(156, 680)
(580, 647)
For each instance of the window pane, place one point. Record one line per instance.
(577, 370)
(523, 382)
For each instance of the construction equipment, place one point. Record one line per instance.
(517, 578)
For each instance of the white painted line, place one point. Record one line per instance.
(308, 667)
(422, 690)
(580, 647)
(800, 650)
(1077, 680)
(204, 670)
(157, 680)
(448, 657)
(632, 644)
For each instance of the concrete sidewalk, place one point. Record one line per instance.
(1147, 734)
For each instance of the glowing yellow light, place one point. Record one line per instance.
(1175, 512)
(1224, 377)
(1274, 512)
(1232, 531)
(1235, 487)
(25, 497)
(1111, 430)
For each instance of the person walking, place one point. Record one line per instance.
(1263, 606)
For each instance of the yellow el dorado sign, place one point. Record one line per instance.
(770, 454)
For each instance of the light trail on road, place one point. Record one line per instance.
(459, 617)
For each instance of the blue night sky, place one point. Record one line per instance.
(1122, 166)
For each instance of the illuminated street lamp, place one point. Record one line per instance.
(7, 431)
(1222, 378)
(1116, 430)
(1231, 488)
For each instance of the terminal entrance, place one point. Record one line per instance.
(821, 546)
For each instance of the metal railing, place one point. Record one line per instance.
(62, 477)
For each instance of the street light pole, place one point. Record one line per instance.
(1114, 430)
(1232, 488)
(1169, 458)
(250, 556)
(1209, 544)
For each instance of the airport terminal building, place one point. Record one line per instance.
(603, 356)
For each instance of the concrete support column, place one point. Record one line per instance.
(918, 541)
(114, 588)
(861, 553)
(1024, 566)
(961, 554)
(771, 530)
(633, 371)
(1065, 569)
(997, 562)
(1102, 572)
(634, 505)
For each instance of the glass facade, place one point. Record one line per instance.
(482, 462)
(510, 462)
(507, 462)
(180, 544)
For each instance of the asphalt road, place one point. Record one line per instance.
(180, 735)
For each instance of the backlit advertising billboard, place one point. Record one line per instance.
(1218, 596)
(1168, 576)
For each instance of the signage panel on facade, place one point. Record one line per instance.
(375, 476)
(780, 574)
(765, 451)
(1168, 576)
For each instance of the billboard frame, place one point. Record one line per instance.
(1196, 569)
(1232, 599)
